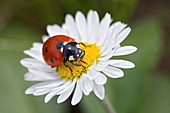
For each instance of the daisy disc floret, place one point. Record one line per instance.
(102, 41)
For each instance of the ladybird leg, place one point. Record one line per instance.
(83, 61)
(72, 62)
(83, 53)
(82, 44)
(68, 67)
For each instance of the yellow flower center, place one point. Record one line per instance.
(91, 54)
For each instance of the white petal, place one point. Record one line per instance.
(113, 72)
(117, 30)
(101, 79)
(37, 46)
(40, 92)
(77, 94)
(99, 91)
(35, 54)
(32, 89)
(32, 77)
(119, 26)
(54, 30)
(36, 64)
(46, 75)
(108, 56)
(53, 85)
(86, 92)
(122, 35)
(81, 26)
(125, 50)
(114, 31)
(44, 38)
(101, 65)
(49, 96)
(83, 86)
(121, 64)
(110, 37)
(88, 85)
(67, 93)
(55, 91)
(71, 27)
(93, 26)
(92, 74)
(63, 86)
(104, 28)
(67, 88)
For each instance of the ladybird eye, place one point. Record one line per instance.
(51, 60)
(46, 49)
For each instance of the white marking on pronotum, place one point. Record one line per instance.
(77, 46)
(69, 48)
(71, 57)
(61, 49)
(65, 43)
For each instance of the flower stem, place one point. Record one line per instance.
(107, 105)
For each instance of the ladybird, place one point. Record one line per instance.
(59, 49)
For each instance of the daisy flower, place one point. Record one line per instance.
(102, 42)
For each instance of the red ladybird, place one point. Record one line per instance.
(60, 49)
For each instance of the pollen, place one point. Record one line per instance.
(91, 54)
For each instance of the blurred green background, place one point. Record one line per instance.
(144, 89)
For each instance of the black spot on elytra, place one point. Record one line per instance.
(46, 49)
(51, 60)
